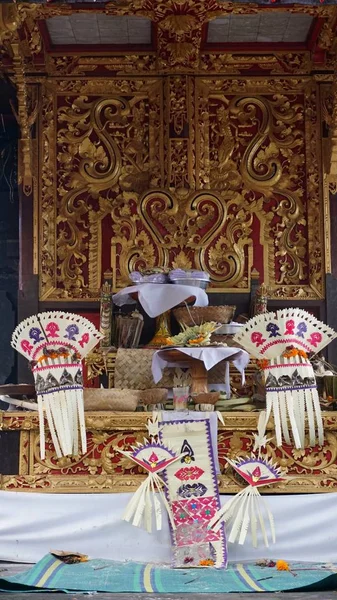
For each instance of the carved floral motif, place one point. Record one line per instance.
(262, 145)
(255, 150)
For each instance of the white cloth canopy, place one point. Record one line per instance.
(156, 298)
(33, 524)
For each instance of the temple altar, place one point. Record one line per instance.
(169, 157)
(103, 470)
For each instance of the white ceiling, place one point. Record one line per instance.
(95, 29)
(268, 26)
(98, 29)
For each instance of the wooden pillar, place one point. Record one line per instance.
(28, 295)
(330, 203)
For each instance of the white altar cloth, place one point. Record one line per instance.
(32, 524)
(157, 298)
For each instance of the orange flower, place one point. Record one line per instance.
(282, 565)
(207, 562)
(199, 340)
(294, 352)
(263, 363)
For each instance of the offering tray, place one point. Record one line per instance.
(157, 299)
(200, 360)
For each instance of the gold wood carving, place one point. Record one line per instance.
(103, 469)
(273, 62)
(329, 189)
(330, 117)
(266, 145)
(113, 129)
(254, 139)
(10, 21)
(179, 38)
(24, 452)
(106, 146)
(26, 116)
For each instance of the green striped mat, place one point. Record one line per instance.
(110, 576)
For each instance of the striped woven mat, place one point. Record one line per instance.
(109, 576)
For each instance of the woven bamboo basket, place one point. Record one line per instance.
(133, 370)
(197, 315)
(111, 399)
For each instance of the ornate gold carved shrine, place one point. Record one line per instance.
(103, 469)
(181, 155)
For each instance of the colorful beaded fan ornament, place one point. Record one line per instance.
(245, 510)
(282, 341)
(154, 457)
(55, 344)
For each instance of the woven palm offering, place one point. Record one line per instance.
(55, 344)
(283, 342)
(205, 401)
(188, 316)
(153, 396)
(199, 335)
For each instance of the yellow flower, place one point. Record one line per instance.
(282, 565)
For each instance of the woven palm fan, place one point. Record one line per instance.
(283, 341)
(247, 509)
(154, 457)
(55, 344)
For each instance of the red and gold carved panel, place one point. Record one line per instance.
(215, 174)
(101, 140)
(256, 139)
(104, 469)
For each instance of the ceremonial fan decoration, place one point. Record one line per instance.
(55, 344)
(246, 510)
(283, 341)
(154, 457)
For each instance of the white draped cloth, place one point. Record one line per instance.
(210, 356)
(33, 524)
(157, 298)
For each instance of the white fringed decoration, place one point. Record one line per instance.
(246, 511)
(41, 428)
(260, 439)
(144, 505)
(55, 344)
(291, 392)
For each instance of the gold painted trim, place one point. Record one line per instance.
(327, 224)
(24, 453)
(137, 421)
(36, 180)
(118, 484)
